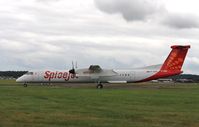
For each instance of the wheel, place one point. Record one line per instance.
(99, 86)
(25, 85)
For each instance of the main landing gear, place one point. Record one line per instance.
(99, 86)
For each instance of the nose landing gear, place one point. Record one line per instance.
(25, 84)
(99, 86)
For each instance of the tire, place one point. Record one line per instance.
(25, 85)
(99, 86)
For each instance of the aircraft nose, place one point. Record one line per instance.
(20, 79)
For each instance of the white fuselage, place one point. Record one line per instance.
(119, 76)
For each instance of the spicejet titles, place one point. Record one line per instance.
(59, 75)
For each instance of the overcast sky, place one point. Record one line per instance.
(49, 34)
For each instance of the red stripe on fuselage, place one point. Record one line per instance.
(161, 74)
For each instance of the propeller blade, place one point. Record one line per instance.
(72, 65)
(76, 64)
(72, 71)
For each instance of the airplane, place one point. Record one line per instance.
(95, 74)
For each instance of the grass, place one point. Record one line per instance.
(40, 106)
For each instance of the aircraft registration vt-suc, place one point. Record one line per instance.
(95, 74)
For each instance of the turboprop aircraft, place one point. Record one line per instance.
(95, 74)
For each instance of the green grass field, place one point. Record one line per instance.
(43, 106)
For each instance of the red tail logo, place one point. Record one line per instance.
(173, 63)
(176, 58)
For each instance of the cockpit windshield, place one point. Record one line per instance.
(29, 73)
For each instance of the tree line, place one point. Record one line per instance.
(12, 74)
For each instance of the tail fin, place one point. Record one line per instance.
(176, 58)
(173, 63)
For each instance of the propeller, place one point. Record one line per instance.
(72, 71)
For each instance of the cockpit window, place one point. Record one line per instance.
(29, 73)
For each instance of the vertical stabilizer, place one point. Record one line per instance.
(176, 58)
(173, 63)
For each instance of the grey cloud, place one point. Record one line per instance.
(131, 10)
(140, 10)
(181, 21)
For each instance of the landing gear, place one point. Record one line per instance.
(99, 86)
(25, 84)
